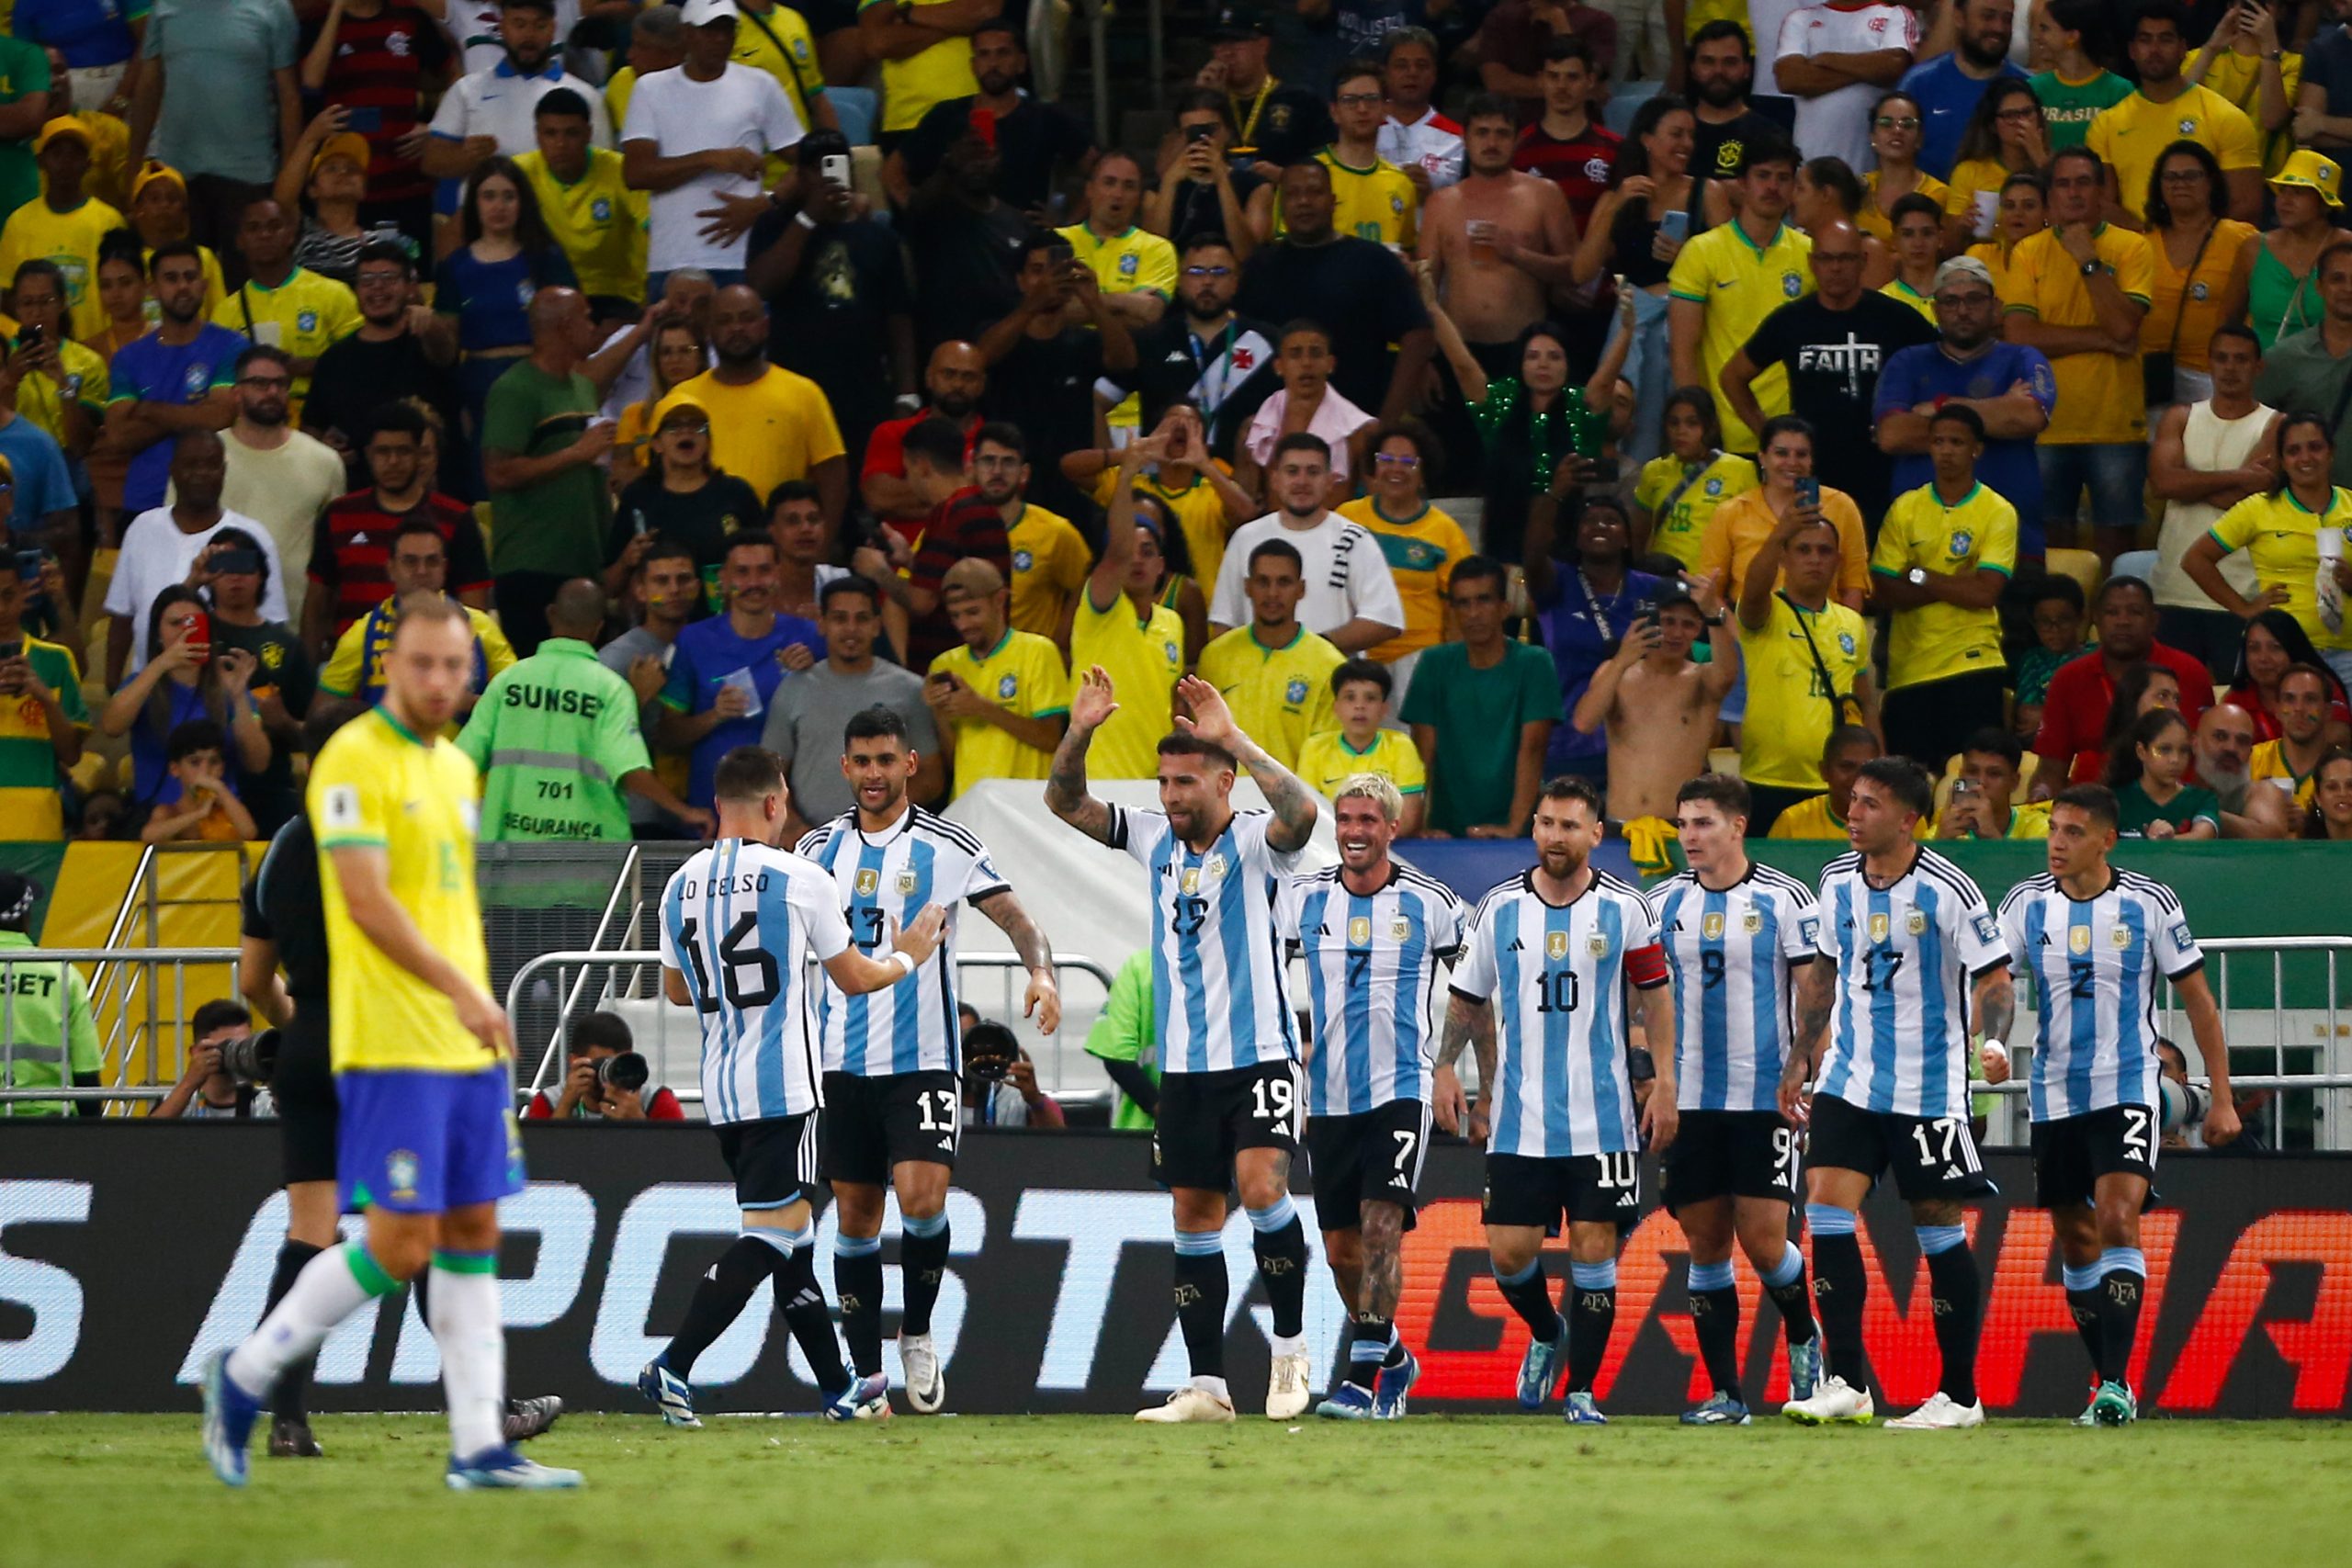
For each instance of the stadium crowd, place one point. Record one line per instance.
(1967, 382)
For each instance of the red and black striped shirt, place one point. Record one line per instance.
(352, 547)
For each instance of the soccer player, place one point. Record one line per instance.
(1229, 1091)
(1373, 933)
(892, 1059)
(426, 1144)
(1552, 951)
(1909, 953)
(1735, 934)
(2095, 939)
(740, 923)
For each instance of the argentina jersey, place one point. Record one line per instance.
(883, 880)
(1906, 955)
(1372, 964)
(1731, 953)
(1219, 994)
(2095, 964)
(741, 921)
(1556, 978)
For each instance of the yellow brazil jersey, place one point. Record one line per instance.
(30, 802)
(2028, 819)
(2280, 537)
(777, 41)
(375, 785)
(1136, 262)
(911, 87)
(1813, 820)
(1974, 194)
(1697, 14)
(355, 667)
(1145, 658)
(1377, 204)
(1789, 712)
(2130, 135)
(1978, 533)
(110, 177)
(598, 221)
(1739, 283)
(1279, 695)
(1200, 516)
(617, 92)
(71, 240)
(44, 402)
(1681, 499)
(1023, 672)
(1870, 220)
(2269, 765)
(305, 315)
(1904, 293)
(1421, 553)
(763, 432)
(1327, 762)
(1050, 561)
(2238, 78)
(1995, 257)
(2101, 397)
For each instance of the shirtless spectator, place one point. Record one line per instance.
(1654, 676)
(2224, 746)
(1499, 241)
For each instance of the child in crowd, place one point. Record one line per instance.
(1359, 698)
(2058, 613)
(206, 811)
(1309, 403)
(2153, 795)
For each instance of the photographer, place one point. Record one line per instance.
(208, 1088)
(999, 1082)
(604, 1075)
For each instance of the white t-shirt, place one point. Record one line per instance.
(155, 555)
(284, 489)
(499, 103)
(1837, 123)
(744, 108)
(1766, 18)
(1346, 574)
(1433, 141)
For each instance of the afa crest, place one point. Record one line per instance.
(2120, 937)
(906, 884)
(1400, 928)
(1915, 923)
(1752, 922)
(1597, 945)
(1213, 868)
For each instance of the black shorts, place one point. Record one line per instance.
(1208, 1118)
(303, 1088)
(1933, 1157)
(1730, 1153)
(1588, 1189)
(773, 1161)
(2071, 1153)
(873, 1123)
(1376, 1155)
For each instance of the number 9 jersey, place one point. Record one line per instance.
(1556, 976)
(741, 921)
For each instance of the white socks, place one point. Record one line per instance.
(331, 1287)
(465, 1321)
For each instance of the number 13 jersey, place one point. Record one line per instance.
(1556, 976)
(741, 921)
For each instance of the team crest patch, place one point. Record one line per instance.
(600, 209)
(906, 885)
(1597, 945)
(868, 879)
(1959, 544)
(2198, 292)
(1915, 923)
(1190, 880)
(1296, 691)
(1711, 927)
(1023, 561)
(1128, 265)
(1751, 922)
(400, 1174)
(1213, 868)
(2120, 937)
(1879, 928)
(306, 321)
(1174, 657)
(524, 292)
(1714, 487)
(2187, 125)
(197, 379)
(1360, 931)
(1007, 685)
(1846, 643)
(1792, 285)
(1556, 944)
(2079, 939)
(1400, 928)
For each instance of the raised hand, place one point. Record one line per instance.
(1210, 718)
(1094, 701)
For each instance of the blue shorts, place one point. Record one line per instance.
(418, 1141)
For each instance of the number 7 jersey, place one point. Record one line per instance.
(1556, 976)
(741, 921)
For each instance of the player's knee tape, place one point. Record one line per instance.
(2087, 1278)
(1935, 1240)
(1828, 1219)
(1601, 1276)
(856, 1246)
(927, 1225)
(1199, 1244)
(2123, 1260)
(1273, 1216)
(1787, 1271)
(1534, 1267)
(1711, 1277)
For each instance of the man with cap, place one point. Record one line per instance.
(49, 1028)
(2011, 388)
(1270, 124)
(64, 225)
(2313, 369)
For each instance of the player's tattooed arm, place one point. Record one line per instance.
(1997, 1002)
(1461, 1020)
(1066, 793)
(1816, 991)
(1293, 804)
(1043, 1000)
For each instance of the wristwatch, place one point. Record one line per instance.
(1916, 577)
(2093, 267)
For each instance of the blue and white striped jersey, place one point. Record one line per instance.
(2094, 965)
(1732, 953)
(1556, 976)
(741, 921)
(1220, 995)
(1372, 966)
(1905, 957)
(883, 881)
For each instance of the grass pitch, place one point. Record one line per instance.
(127, 1491)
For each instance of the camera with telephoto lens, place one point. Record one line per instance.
(625, 1071)
(251, 1061)
(2183, 1104)
(990, 1051)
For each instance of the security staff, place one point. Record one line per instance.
(46, 1026)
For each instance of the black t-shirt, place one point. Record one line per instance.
(1716, 150)
(1361, 295)
(1031, 143)
(282, 904)
(1288, 127)
(1229, 375)
(1046, 386)
(1833, 359)
(829, 320)
(279, 663)
(966, 265)
(1196, 211)
(355, 378)
(701, 520)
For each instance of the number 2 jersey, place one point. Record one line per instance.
(1557, 975)
(1732, 953)
(1372, 962)
(1905, 957)
(2095, 964)
(1219, 995)
(883, 880)
(741, 921)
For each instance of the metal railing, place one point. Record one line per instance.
(122, 986)
(140, 963)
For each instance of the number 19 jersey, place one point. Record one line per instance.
(741, 921)
(1905, 954)
(1372, 963)
(883, 880)
(1220, 993)
(1556, 976)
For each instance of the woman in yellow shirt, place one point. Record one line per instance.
(2292, 533)
(1896, 135)
(1677, 495)
(2006, 136)
(63, 390)
(1740, 527)
(2203, 262)
(2025, 212)
(679, 354)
